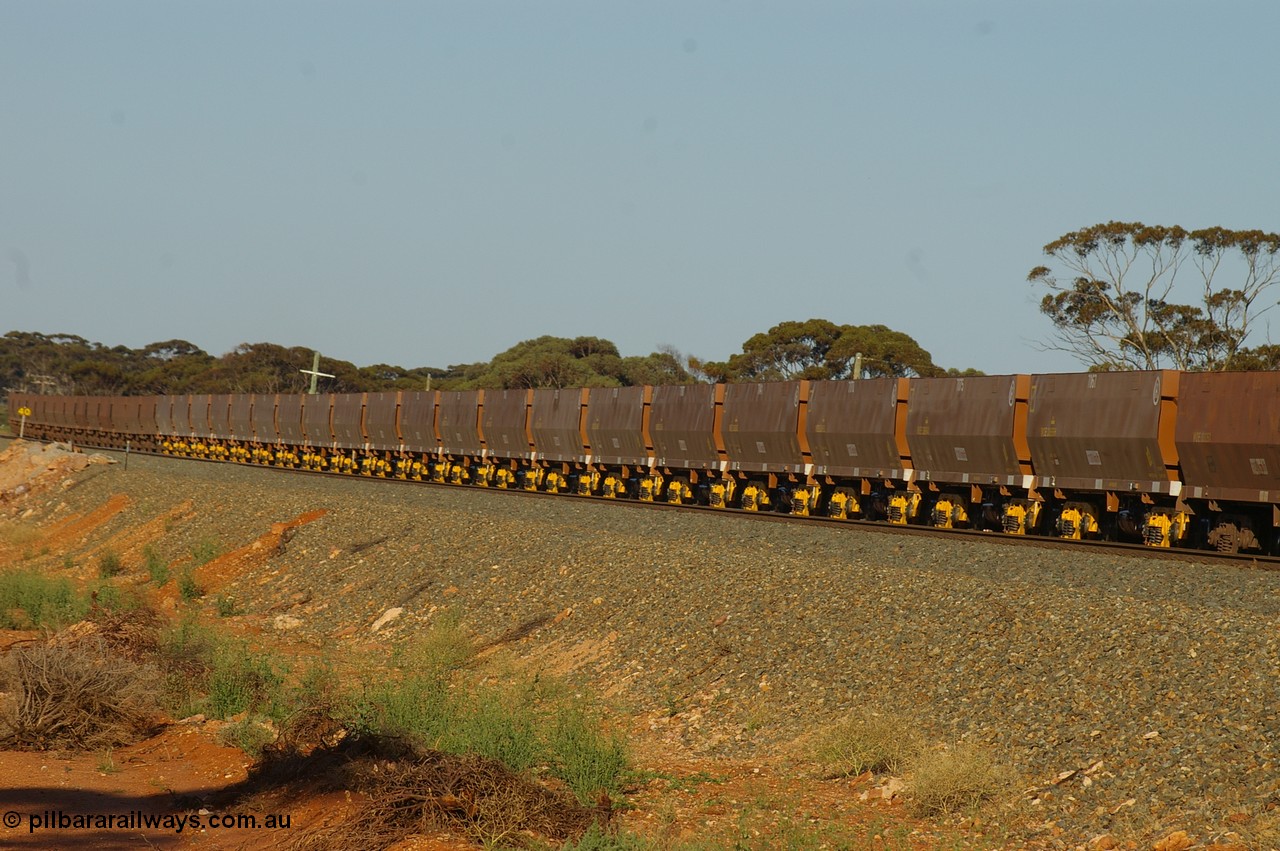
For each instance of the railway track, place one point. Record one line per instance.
(1096, 547)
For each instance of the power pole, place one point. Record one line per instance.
(43, 381)
(315, 373)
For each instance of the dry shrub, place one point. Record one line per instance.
(955, 779)
(416, 791)
(132, 633)
(80, 695)
(866, 742)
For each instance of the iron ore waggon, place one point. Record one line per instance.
(1168, 458)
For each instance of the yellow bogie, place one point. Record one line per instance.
(843, 505)
(1019, 518)
(755, 497)
(948, 513)
(1164, 529)
(722, 491)
(903, 508)
(1076, 522)
(650, 487)
(804, 500)
(614, 486)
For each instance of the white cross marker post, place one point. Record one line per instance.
(315, 373)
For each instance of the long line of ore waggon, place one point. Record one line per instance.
(1169, 458)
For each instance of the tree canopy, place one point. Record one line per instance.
(563, 362)
(1132, 296)
(70, 365)
(820, 349)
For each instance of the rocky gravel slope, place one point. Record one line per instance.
(1154, 681)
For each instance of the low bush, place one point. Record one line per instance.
(109, 564)
(956, 779)
(188, 588)
(866, 741)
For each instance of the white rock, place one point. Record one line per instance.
(387, 617)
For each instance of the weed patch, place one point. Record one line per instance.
(585, 757)
(250, 734)
(17, 535)
(204, 551)
(32, 600)
(241, 680)
(155, 565)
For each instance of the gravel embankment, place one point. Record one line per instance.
(755, 633)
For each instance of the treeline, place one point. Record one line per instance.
(71, 365)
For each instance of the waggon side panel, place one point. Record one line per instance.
(969, 430)
(459, 423)
(1104, 431)
(380, 410)
(418, 421)
(100, 413)
(616, 425)
(164, 415)
(1228, 435)
(289, 418)
(317, 416)
(347, 409)
(505, 423)
(220, 416)
(241, 416)
(555, 424)
(262, 417)
(198, 416)
(852, 427)
(761, 426)
(683, 425)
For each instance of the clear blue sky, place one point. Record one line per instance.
(426, 184)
